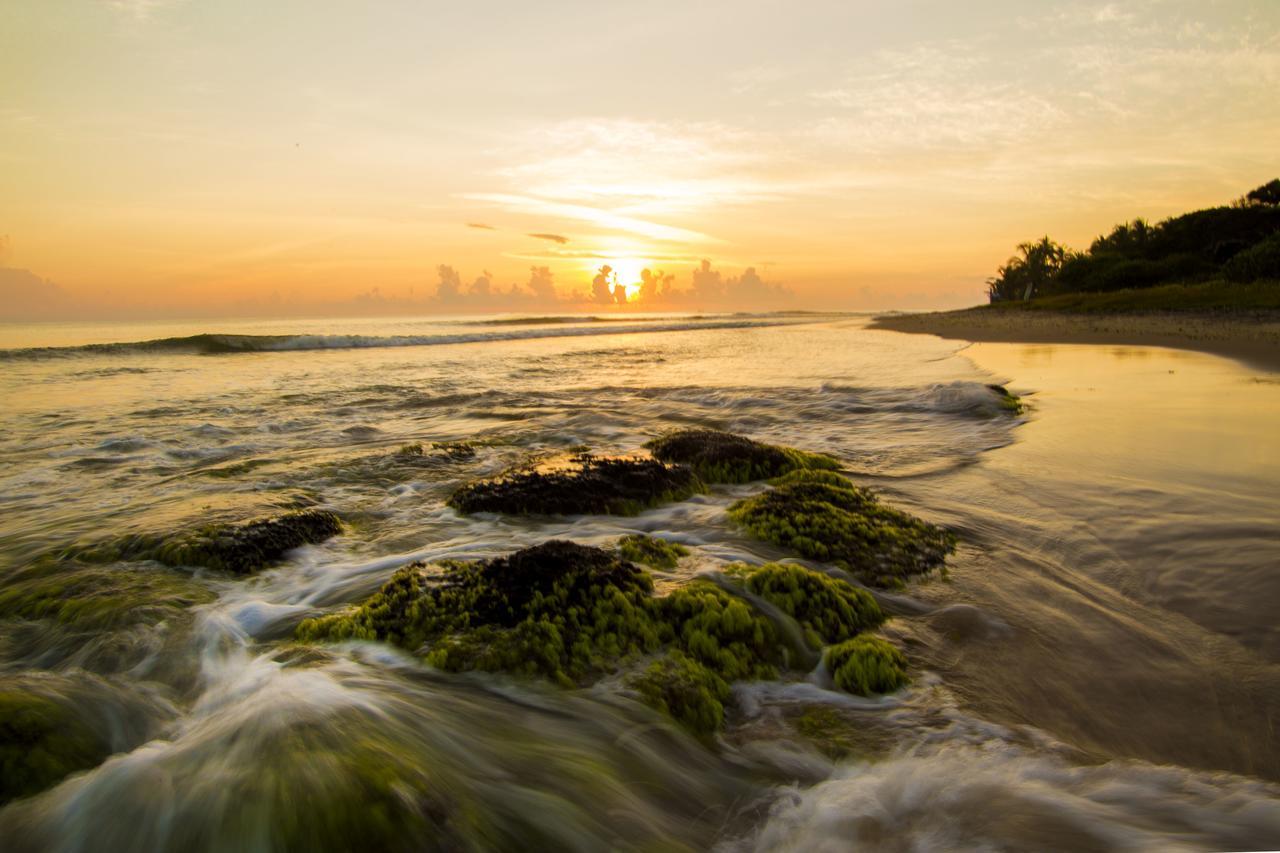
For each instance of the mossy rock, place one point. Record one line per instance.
(589, 485)
(825, 517)
(867, 666)
(1007, 401)
(41, 743)
(573, 614)
(722, 631)
(829, 610)
(685, 690)
(651, 551)
(238, 548)
(97, 597)
(558, 609)
(723, 457)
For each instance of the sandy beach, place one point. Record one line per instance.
(1254, 339)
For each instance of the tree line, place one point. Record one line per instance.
(1237, 243)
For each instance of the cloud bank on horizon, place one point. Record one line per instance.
(162, 156)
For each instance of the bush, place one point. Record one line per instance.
(1255, 264)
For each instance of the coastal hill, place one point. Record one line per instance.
(1207, 280)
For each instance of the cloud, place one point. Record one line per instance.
(139, 9)
(596, 216)
(24, 296)
(481, 226)
(481, 295)
(554, 238)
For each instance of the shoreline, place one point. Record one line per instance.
(1254, 340)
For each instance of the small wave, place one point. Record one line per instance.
(220, 344)
(961, 798)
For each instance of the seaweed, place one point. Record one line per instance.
(1008, 401)
(722, 631)
(685, 690)
(557, 609)
(867, 666)
(573, 614)
(97, 598)
(825, 517)
(651, 551)
(237, 548)
(723, 457)
(590, 485)
(829, 610)
(41, 743)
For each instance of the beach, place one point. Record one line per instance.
(1251, 338)
(1097, 654)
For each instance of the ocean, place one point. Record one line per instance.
(1097, 668)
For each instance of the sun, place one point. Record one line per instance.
(628, 271)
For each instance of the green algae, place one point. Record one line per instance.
(722, 631)
(41, 743)
(867, 666)
(685, 690)
(1008, 401)
(558, 609)
(574, 614)
(98, 598)
(237, 548)
(651, 551)
(590, 485)
(825, 517)
(828, 610)
(723, 457)
(836, 735)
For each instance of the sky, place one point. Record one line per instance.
(239, 157)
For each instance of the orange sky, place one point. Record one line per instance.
(185, 156)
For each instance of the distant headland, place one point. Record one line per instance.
(1207, 280)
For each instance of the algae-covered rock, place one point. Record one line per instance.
(558, 609)
(828, 609)
(588, 485)
(867, 666)
(723, 457)
(722, 631)
(685, 690)
(41, 743)
(651, 551)
(239, 548)
(574, 613)
(825, 517)
(98, 597)
(1006, 400)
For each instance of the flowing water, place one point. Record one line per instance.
(1099, 668)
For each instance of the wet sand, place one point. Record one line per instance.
(1248, 338)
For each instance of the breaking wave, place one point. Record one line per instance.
(225, 344)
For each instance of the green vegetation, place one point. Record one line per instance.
(574, 614)
(1238, 243)
(98, 598)
(867, 666)
(827, 609)
(238, 548)
(592, 485)
(1213, 297)
(653, 552)
(825, 517)
(832, 733)
(41, 743)
(558, 609)
(1259, 261)
(685, 690)
(1011, 403)
(722, 457)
